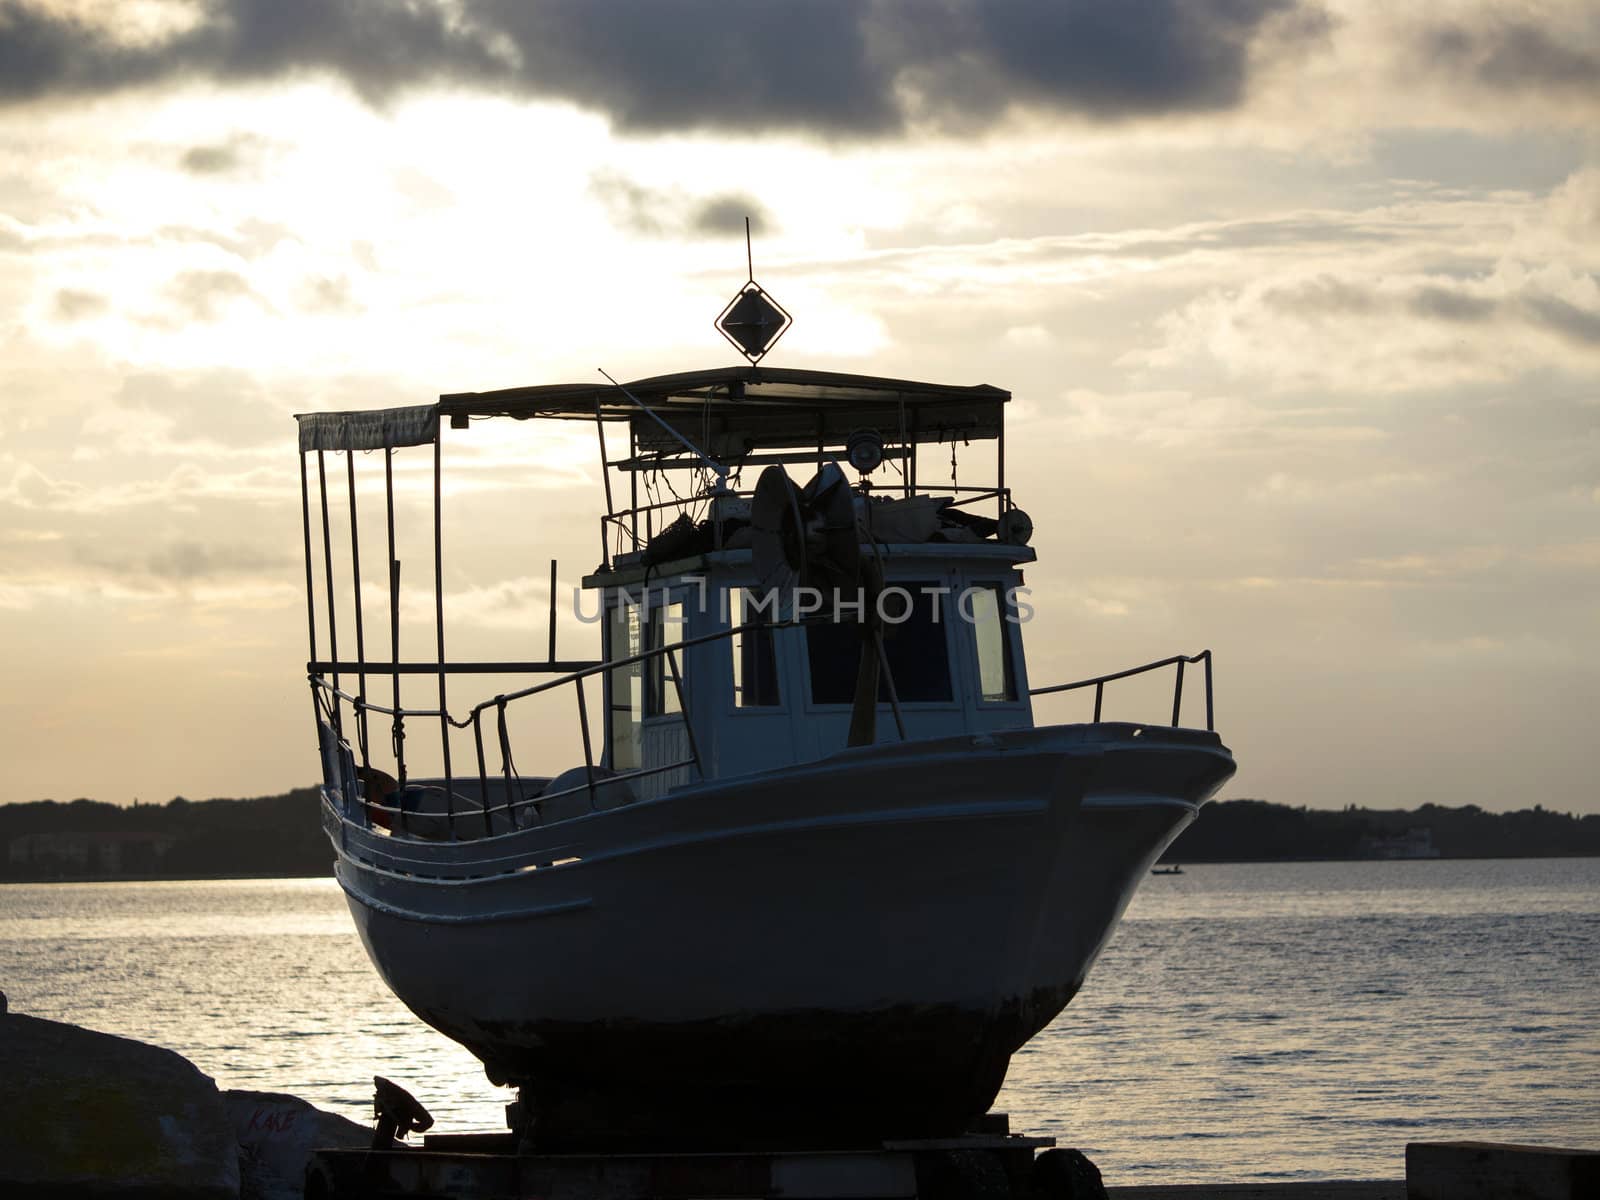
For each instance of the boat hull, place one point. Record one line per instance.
(847, 950)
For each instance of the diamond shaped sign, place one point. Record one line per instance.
(753, 321)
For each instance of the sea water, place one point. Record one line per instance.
(1247, 1022)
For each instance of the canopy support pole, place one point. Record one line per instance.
(361, 642)
(327, 570)
(398, 733)
(438, 619)
(305, 524)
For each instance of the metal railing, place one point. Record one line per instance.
(1099, 682)
(621, 531)
(474, 720)
(329, 695)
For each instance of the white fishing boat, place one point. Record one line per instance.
(813, 865)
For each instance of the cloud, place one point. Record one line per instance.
(215, 412)
(72, 304)
(1579, 326)
(1450, 304)
(185, 489)
(329, 294)
(189, 559)
(671, 213)
(229, 156)
(1104, 61)
(1505, 55)
(1574, 207)
(836, 67)
(378, 48)
(203, 295)
(31, 489)
(630, 204)
(727, 214)
(1354, 332)
(250, 238)
(209, 160)
(1483, 290)
(178, 560)
(866, 69)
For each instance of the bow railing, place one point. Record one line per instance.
(1098, 683)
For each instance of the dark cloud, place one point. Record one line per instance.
(859, 68)
(1515, 56)
(1536, 309)
(684, 64)
(1567, 320)
(1448, 304)
(668, 212)
(727, 214)
(378, 47)
(210, 160)
(226, 157)
(1327, 298)
(1114, 59)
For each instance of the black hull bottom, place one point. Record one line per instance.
(818, 1079)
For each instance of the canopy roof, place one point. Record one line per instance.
(736, 409)
(728, 411)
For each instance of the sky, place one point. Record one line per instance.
(1299, 303)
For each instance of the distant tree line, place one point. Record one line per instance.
(1258, 831)
(182, 839)
(282, 836)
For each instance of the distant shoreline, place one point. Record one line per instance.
(1185, 862)
(281, 837)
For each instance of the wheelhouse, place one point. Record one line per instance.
(778, 689)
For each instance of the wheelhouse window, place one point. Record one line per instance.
(624, 639)
(755, 659)
(914, 643)
(666, 629)
(984, 608)
(641, 690)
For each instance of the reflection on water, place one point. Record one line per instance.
(262, 983)
(1307, 1020)
(1247, 1022)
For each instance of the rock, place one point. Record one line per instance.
(277, 1134)
(88, 1114)
(1067, 1175)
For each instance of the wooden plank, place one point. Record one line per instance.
(1481, 1170)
